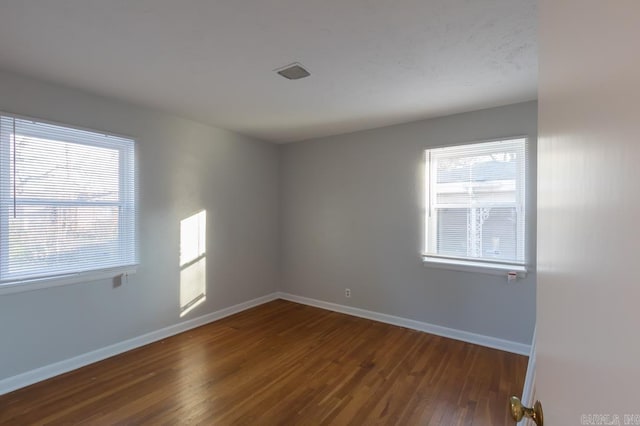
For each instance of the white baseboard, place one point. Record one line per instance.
(465, 336)
(33, 376)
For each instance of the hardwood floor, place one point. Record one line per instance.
(283, 363)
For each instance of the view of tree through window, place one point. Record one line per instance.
(67, 200)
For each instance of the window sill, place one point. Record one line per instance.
(67, 279)
(475, 266)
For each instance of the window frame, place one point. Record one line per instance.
(473, 264)
(128, 201)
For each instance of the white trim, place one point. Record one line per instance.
(530, 378)
(490, 268)
(61, 124)
(475, 141)
(465, 336)
(29, 276)
(66, 279)
(33, 376)
(431, 158)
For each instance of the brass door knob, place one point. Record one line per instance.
(519, 411)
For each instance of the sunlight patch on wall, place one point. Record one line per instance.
(193, 262)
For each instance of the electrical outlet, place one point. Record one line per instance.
(347, 292)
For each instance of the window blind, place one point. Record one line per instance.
(67, 200)
(476, 201)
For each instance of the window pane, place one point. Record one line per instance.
(481, 232)
(499, 233)
(64, 171)
(452, 232)
(477, 177)
(52, 239)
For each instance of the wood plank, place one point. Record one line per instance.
(283, 363)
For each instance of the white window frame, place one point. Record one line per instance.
(471, 264)
(45, 281)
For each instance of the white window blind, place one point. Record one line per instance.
(476, 202)
(67, 200)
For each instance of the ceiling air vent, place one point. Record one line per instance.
(293, 71)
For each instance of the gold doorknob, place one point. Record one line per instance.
(519, 411)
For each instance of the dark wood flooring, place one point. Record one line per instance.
(283, 363)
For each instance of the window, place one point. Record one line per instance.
(475, 211)
(67, 201)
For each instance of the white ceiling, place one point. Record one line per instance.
(372, 62)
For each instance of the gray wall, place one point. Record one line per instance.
(183, 167)
(321, 215)
(351, 209)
